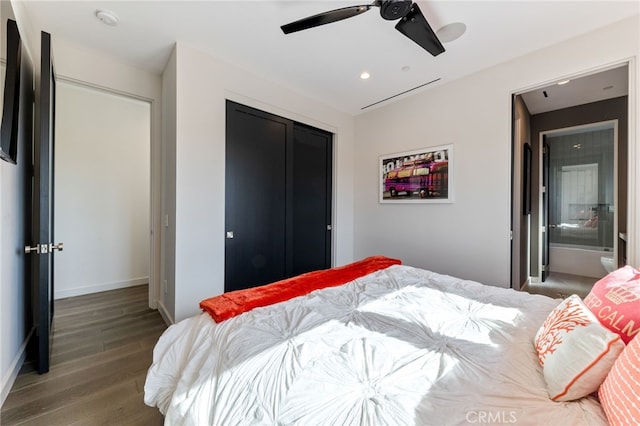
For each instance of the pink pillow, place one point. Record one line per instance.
(615, 300)
(620, 392)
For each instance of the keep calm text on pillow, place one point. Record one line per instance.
(615, 300)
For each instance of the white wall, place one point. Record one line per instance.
(202, 85)
(469, 238)
(166, 305)
(102, 190)
(13, 295)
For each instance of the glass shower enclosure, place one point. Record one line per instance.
(581, 195)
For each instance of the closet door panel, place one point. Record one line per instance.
(277, 198)
(255, 197)
(311, 202)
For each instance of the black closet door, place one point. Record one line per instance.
(277, 198)
(255, 197)
(311, 206)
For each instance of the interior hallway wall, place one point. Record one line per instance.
(102, 190)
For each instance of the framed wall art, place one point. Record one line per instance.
(419, 176)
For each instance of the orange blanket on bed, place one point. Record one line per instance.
(234, 303)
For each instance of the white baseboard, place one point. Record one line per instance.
(14, 369)
(79, 291)
(164, 313)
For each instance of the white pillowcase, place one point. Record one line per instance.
(576, 351)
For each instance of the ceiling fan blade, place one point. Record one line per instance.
(415, 26)
(325, 18)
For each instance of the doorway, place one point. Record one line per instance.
(102, 189)
(578, 209)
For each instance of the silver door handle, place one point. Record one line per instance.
(58, 247)
(44, 248)
(29, 249)
(38, 248)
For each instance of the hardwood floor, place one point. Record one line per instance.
(102, 348)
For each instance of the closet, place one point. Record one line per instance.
(277, 198)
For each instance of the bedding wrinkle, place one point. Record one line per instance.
(399, 346)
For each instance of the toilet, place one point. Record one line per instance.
(607, 263)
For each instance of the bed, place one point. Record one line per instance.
(398, 346)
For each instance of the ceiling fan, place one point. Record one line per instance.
(412, 22)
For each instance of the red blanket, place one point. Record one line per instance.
(234, 303)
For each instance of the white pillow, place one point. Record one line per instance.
(576, 351)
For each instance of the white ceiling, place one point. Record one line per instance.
(603, 85)
(324, 63)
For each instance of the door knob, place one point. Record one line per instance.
(38, 248)
(43, 248)
(29, 249)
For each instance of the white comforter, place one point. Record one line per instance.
(401, 346)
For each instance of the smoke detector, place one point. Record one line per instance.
(107, 17)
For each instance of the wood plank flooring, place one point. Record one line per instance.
(102, 348)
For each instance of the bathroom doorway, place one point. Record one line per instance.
(574, 223)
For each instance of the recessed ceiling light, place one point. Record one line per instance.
(406, 68)
(365, 75)
(107, 17)
(560, 83)
(451, 32)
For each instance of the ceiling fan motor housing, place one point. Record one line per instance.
(394, 9)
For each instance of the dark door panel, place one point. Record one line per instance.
(546, 152)
(40, 250)
(255, 198)
(277, 198)
(311, 234)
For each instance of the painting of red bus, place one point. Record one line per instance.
(416, 175)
